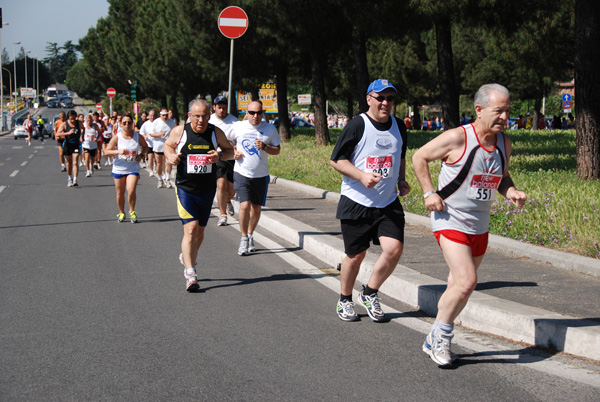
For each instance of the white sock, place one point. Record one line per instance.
(250, 235)
(191, 271)
(167, 176)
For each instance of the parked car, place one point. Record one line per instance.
(19, 131)
(294, 122)
(66, 103)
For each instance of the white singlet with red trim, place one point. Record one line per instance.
(469, 186)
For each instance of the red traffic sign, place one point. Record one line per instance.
(233, 22)
(111, 92)
(567, 105)
(98, 106)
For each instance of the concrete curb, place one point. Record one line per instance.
(559, 259)
(483, 312)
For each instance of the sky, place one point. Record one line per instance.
(36, 22)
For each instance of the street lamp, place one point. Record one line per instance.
(15, 73)
(2, 85)
(29, 51)
(37, 77)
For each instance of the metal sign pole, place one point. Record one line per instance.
(230, 75)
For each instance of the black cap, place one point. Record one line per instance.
(220, 99)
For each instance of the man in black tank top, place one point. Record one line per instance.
(192, 148)
(71, 131)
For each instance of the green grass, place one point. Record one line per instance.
(562, 211)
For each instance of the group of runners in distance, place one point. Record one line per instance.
(216, 154)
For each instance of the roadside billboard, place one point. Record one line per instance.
(267, 94)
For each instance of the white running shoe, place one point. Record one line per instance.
(243, 249)
(168, 184)
(251, 246)
(70, 183)
(181, 260)
(191, 281)
(160, 184)
(88, 174)
(222, 220)
(437, 346)
(230, 209)
(151, 174)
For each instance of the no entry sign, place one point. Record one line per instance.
(233, 22)
(111, 92)
(98, 106)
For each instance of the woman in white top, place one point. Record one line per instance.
(128, 148)
(89, 139)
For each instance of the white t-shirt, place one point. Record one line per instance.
(146, 129)
(254, 163)
(224, 124)
(158, 143)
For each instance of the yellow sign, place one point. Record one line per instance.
(267, 95)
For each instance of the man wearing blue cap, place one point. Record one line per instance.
(370, 154)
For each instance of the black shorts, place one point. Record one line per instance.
(225, 168)
(70, 148)
(60, 141)
(150, 150)
(158, 153)
(195, 207)
(92, 152)
(358, 233)
(251, 189)
(107, 140)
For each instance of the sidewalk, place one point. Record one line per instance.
(517, 298)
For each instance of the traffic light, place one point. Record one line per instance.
(134, 88)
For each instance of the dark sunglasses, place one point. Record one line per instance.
(252, 112)
(126, 122)
(381, 98)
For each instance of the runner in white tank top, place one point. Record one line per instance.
(474, 168)
(128, 148)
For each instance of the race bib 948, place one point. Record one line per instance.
(379, 164)
(483, 187)
(199, 164)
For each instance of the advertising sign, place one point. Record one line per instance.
(304, 99)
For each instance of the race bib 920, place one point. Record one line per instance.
(483, 187)
(379, 164)
(199, 164)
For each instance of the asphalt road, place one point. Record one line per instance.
(96, 310)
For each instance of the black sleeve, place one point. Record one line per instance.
(348, 139)
(403, 134)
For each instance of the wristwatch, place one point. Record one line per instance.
(427, 194)
(220, 155)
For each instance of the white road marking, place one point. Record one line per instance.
(24, 163)
(463, 338)
(2, 188)
(13, 174)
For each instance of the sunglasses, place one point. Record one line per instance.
(381, 98)
(253, 112)
(126, 122)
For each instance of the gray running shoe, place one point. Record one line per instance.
(437, 346)
(222, 220)
(243, 250)
(230, 209)
(372, 305)
(345, 310)
(251, 246)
